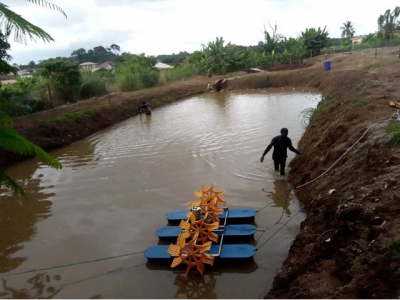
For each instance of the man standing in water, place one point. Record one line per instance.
(144, 108)
(280, 144)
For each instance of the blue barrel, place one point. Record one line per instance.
(327, 65)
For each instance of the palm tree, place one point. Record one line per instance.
(23, 29)
(10, 140)
(347, 29)
(387, 22)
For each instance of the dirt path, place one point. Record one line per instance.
(345, 247)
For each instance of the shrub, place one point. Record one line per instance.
(149, 78)
(394, 128)
(94, 87)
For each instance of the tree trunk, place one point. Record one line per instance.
(50, 98)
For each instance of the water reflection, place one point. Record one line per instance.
(145, 120)
(116, 187)
(79, 154)
(281, 196)
(18, 218)
(194, 288)
(40, 286)
(220, 267)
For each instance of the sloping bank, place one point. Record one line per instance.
(349, 244)
(345, 247)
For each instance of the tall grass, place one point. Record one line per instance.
(180, 72)
(131, 81)
(308, 114)
(394, 128)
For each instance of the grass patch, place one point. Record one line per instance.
(366, 82)
(362, 102)
(71, 117)
(308, 114)
(377, 65)
(394, 248)
(394, 128)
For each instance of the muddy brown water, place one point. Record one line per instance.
(116, 187)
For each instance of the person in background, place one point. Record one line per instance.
(144, 108)
(280, 143)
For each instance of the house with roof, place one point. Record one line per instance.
(88, 65)
(25, 73)
(357, 39)
(161, 66)
(106, 66)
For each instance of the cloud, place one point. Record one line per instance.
(166, 26)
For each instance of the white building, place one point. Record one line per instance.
(88, 66)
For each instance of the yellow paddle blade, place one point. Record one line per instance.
(181, 240)
(184, 225)
(191, 217)
(200, 267)
(176, 261)
(208, 259)
(213, 226)
(213, 236)
(197, 194)
(205, 247)
(194, 203)
(174, 249)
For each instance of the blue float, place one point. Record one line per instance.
(233, 215)
(235, 230)
(224, 252)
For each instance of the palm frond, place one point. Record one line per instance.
(10, 140)
(10, 21)
(8, 182)
(6, 68)
(5, 119)
(48, 5)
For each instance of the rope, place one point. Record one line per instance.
(299, 186)
(283, 209)
(277, 231)
(72, 264)
(386, 120)
(265, 206)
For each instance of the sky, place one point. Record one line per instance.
(157, 27)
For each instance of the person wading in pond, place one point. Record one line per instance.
(280, 144)
(144, 108)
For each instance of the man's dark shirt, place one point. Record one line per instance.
(280, 144)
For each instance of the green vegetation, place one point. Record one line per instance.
(64, 76)
(387, 23)
(377, 65)
(361, 102)
(308, 114)
(347, 30)
(72, 117)
(394, 248)
(10, 140)
(137, 72)
(394, 128)
(183, 71)
(315, 40)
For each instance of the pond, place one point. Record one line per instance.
(117, 185)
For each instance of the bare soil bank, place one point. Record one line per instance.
(345, 248)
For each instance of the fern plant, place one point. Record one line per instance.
(11, 21)
(10, 139)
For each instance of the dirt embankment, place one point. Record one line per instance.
(345, 247)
